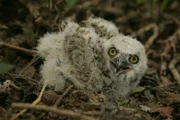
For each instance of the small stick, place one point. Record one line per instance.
(34, 103)
(15, 86)
(171, 39)
(153, 53)
(29, 64)
(174, 70)
(51, 109)
(18, 48)
(153, 36)
(163, 67)
(169, 43)
(63, 95)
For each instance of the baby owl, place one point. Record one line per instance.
(91, 57)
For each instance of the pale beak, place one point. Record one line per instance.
(121, 65)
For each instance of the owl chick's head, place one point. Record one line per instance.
(125, 58)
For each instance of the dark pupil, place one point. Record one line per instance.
(134, 58)
(112, 51)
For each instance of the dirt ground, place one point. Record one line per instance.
(155, 23)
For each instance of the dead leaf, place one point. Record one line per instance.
(167, 97)
(28, 72)
(138, 89)
(165, 112)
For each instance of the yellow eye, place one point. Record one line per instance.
(112, 52)
(134, 59)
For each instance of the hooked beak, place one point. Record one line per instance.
(121, 65)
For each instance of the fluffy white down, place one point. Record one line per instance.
(52, 42)
(103, 27)
(78, 55)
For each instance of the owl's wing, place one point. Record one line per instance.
(51, 43)
(70, 56)
(79, 48)
(102, 27)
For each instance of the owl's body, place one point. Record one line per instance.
(80, 55)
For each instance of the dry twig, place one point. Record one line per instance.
(174, 70)
(14, 86)
(51, 109)
(34, 103)
(154, 35)
(29, 64)
(18, 48)
(63, 95)
(153, 53)
(163, 67)
(170, 43)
